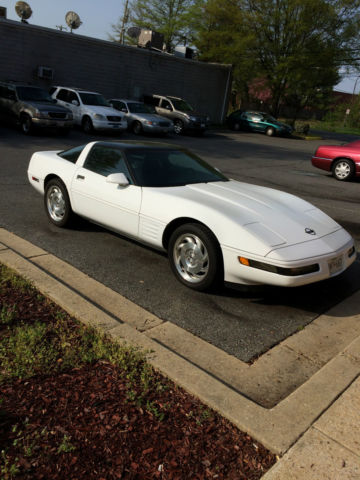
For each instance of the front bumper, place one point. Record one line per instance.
(235, 272)
(157, 128)
(198, 126)
(52, 123)
(109, 125)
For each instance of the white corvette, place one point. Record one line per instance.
(214, 229)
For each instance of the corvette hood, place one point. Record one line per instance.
(261, 218)
(277, 216)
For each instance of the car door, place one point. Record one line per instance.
(65, 98)
(254, 121)
(108, 204)
(165, 109)
(122, 107)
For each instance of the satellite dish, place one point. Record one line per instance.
(134, 32)
(23, 10)
(73, 20)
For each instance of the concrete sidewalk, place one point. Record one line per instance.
(330, 448)
(313, 421)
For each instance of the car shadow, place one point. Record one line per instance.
(316, 298)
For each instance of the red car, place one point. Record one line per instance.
(342, 160)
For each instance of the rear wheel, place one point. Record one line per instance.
(343, 169)
(270, 131)
(195, 257)
(57, 203)
(236, 126)
(26, 124)
(87, 125)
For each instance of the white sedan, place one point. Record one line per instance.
(214, 229)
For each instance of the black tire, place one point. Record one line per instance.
(195, 244)
(136, 128)
(87, 125)
(57, 203)
(270, 131)
(179, 127)
(343, 169)
(26, 124)
(236, 126)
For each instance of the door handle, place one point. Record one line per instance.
(80, 177)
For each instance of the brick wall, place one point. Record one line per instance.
(112, 69)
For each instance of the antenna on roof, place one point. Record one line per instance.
(23, 10)
(73, 20)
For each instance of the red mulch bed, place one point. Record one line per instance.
(103, 435)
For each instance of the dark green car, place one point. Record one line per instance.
(257, 122)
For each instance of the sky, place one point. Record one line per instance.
(97, 17)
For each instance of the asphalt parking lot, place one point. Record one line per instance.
(243, 322)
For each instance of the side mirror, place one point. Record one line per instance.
(118, 178)
(124, 109)
(75, 102)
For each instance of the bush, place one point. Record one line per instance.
(301, 127)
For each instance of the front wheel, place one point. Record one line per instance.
(87, 125)
(195, 257)
(26, 124)
(270, 132)
(57, 203)
(343, 169)
(178, 127)
(137, 128)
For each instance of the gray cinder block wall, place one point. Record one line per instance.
(109, 68)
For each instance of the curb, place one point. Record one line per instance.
(277, 428)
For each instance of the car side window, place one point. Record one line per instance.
(62, 95)
(73, 96)
(149, 100)
(122, 106)
(167, 105)
(72, 154)
(105, 160)
(255, 118)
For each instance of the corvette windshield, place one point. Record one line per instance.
(94, 99)
(169, 168)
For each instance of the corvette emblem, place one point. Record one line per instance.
(310, 231)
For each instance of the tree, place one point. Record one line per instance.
(294, 47)
(168, 17)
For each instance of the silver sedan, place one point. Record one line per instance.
(142, 118)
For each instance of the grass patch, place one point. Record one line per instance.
(36, 347)
(333, 126)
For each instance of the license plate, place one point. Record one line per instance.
(335, 265)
